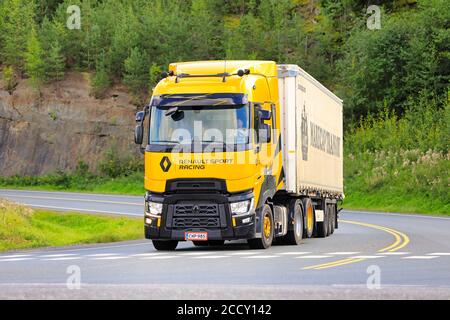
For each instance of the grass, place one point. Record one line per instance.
(127, 185)
(24, 228)
(399, 181)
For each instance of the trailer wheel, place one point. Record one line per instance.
(267, 230)
(323, 227)
(332, 218)
(295, 235)
(309, 217)
(165, 245)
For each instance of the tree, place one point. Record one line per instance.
(34, 60)
(101, 81)
(16, 22)
(136, 71)
(55, 63)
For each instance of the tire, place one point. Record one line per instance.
(294, 236)
(209, 243)
(165, 245)
(333, 218)
(267, 230)
(323, 227)
(309, 218)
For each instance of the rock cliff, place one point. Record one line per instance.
(62, 125)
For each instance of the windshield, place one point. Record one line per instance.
(200, 124)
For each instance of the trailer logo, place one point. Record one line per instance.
(165, 164)
(304, 132)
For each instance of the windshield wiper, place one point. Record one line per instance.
(171, 111)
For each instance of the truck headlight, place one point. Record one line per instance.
(154, 208)
(241, 207)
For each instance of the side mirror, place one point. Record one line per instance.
(140, 116)
(265, 115)
(139, 134)
(265, 134)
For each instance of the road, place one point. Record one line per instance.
(371, 255)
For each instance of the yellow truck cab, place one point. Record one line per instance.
(226, 148)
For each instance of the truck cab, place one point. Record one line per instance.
(213, 160)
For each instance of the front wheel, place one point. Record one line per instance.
(267, 231)
(165, 245)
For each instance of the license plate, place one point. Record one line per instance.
(196, 236)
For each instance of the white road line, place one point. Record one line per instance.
(196, 253)
(210, 257)
(15, 256)
(102, 255)
(140, 255)
(61, 259)
(110, 258)
(293, 253)
(343, 253)
(403, 215)
(15, 259)
(368, 257)
(420, 257)
(75, 200)
(57, 255)
(439, 254)
(395, 253)
(259, 257)
(159, 257)
(86, 210)
(244, 253)
(71, 193)
(313, 257)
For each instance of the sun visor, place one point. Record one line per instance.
(190, 100)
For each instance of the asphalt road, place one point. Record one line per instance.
(371, 255)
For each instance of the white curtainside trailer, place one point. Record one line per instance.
(312, 135)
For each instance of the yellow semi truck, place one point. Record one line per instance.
(240, 150)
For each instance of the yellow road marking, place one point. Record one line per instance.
(401, 240)
(75, 199)
(340, 263)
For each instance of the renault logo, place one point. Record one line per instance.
(195, 209)
(165, 164)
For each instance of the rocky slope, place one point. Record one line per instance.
(55, 129)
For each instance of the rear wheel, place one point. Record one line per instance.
(165, 245)
(267, 230)
(333, 218)
(323, 227)
(309, 217)
(295, 235)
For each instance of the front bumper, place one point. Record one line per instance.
(229, 227)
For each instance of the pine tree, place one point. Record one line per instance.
(101, 81)
(55, 63)
(34, 60)
(17, 20)
(136, 71)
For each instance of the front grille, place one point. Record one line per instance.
(196, 222)
(196, 210)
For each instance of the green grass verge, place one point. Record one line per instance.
(398, 181)
(127, 185)
(24, 228)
